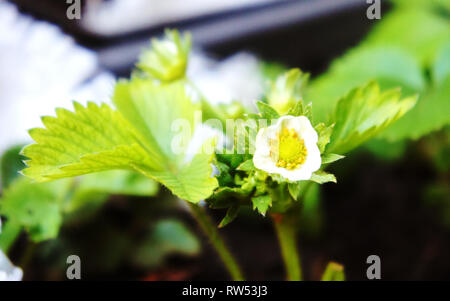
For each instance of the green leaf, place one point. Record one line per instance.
(97, 138)
(441, 66)
(262, 203)
(431, 113)
(322, 177)
(422, 38)
(167, 58)
(246, 166)
(91, 139)
(329, 158)
(166, 237)
(295, 190)
(363, 113)
(35, 207)
(334, 272)
(231, 215)
(390, 67)
(267, 112)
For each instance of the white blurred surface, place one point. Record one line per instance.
(120, 16)
(41, 68)
(235, 78)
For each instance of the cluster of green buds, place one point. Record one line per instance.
(280, 159)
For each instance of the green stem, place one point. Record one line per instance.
(8, 236)
(287, 236)
(211, 231)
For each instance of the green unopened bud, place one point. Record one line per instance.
(286, 90)
(167, 58)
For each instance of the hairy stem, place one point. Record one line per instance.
(211, 231)
(287, 237)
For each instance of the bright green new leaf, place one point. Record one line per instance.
(333, 272)
(91, 139)
(262, 203)
(167, 58)
(363, 113)
(164, 117)
(323, 177)
(97, 138)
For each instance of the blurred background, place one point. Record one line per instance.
(393, 196)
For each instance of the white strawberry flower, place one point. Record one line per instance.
(288, 148)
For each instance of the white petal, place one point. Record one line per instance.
(8, 272)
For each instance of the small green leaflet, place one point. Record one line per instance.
(323, 177)
(363, 113)
(294, 190)
(262, 203)
(231, 215)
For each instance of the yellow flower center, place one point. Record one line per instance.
(291, 149)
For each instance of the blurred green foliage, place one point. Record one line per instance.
(407, 46)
